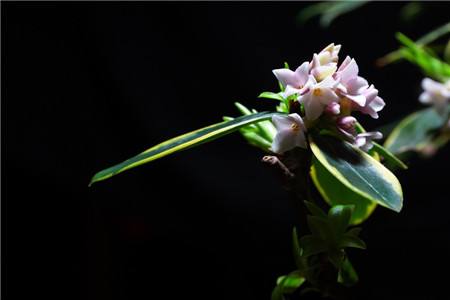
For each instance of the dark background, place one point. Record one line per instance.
(89, 85)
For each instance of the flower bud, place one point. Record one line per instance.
(333, 109)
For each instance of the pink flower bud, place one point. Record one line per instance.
(333, 109)
(346, 123)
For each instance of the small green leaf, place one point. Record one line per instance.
(355, 231)
(335, 192)
(256, 140)
(287, 285)
(339, 216)
(351, 241)
(270, 95)
(319, 228)
(183, 142)
(242, 109)
(264, 129)
(315, 210)
(312, 245)
(347, 274)
(336, 257)
(358, 171)
(414, 131)
(297, 251)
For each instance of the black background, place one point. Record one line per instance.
(89, 85)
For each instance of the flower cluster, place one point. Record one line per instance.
(436, 94)
(325, 89)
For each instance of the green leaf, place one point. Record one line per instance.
(287, 285)
(315, 210)
(354, 231)
(385, 153)
(430, 65)
(389, 156)
(264, 129)
(183, 142)
(312, 244)
(358, 171)
(298, 251)
(270, 95)
(414, 131)
(319, 228)
(339, 216)
(447, 52)
(328, 11)
(351, 241)
(338, 9)
(335, 192)
(347, 274)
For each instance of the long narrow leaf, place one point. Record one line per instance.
(183, 142)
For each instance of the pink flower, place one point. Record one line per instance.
(290, 133)
(324, 64)
(293, 81)
(317, 95)
(364, 140)
(351, 85)
(435, 93)
(373, 105)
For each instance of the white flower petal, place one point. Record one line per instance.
(432, 86)
(302, 73)
(281, 122)
(313, 108)
(358, 99)
(327, 96)
(286, 77)
(300, 140)
(284, 140)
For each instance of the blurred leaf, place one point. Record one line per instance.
(287, 285)
(183, 142)
(347, 274)
(328, 11)
(358, 171)
(410, 11)
(434, 34)
(335, 192)
(414, 131)
(430, 65)
(312, 11)
(421, 42)
(339, 216)
(447, 52)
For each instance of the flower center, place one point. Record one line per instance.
(295, 127)
(317, 92)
